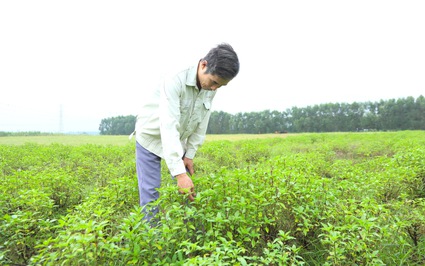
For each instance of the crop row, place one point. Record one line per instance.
(313, 199)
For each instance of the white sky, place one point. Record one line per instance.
(96, 58)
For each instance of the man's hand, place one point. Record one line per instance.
(185, 184)
(188, 163)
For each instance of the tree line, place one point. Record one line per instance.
(401, 114)
(119, 125)
(394, 114)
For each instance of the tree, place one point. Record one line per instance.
(419, 117)
(120, 125)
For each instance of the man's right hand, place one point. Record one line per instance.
(185, 184)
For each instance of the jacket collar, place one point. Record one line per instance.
(191, 76)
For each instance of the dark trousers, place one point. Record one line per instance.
(148, 166)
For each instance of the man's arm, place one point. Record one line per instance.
(169, 117)
(170, 136)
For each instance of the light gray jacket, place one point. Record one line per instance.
(174, 119)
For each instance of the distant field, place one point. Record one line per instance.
(66, 139)
(111, 140)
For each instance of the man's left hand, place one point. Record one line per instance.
(188, 163)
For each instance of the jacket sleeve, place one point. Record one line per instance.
(169, 108)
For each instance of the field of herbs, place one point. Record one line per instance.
(307, 199)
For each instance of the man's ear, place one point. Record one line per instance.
(204, 64)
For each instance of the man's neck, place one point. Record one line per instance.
(198, 84)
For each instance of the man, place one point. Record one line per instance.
(173, 123)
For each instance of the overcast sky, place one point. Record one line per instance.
(65, 65)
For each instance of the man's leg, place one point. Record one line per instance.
(148, 166)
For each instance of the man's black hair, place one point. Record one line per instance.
(222, 61)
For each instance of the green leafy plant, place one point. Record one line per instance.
(308, 199)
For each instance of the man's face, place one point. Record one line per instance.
(208, 81)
